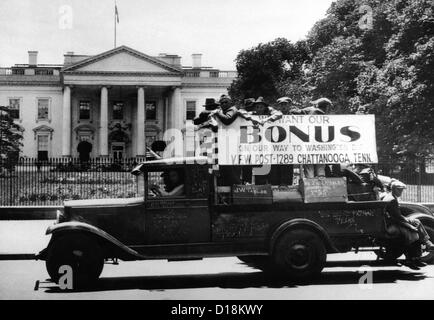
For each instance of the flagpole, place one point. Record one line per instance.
(115, 23)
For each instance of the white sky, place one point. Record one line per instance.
(218, 29)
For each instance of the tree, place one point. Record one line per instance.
(334, 70)
(377, 52)
(10, 139)
(404, 84)
(262, 68)
(387, 64)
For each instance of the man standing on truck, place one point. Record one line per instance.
(287, 106)
(278, 174)
(320, 106)
(227, 112)
(203, 120)
(410, 228)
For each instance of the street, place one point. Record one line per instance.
(213, 278)
(219, 278)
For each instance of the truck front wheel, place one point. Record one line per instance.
(80, 253)
(299, 254)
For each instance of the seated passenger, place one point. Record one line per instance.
(174, 184)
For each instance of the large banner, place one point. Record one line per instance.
(299, 139)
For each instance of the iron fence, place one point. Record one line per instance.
(33, 182)
(50, 182)
(417, 174)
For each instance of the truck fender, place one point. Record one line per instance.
(423, 217)
(301, 223)
(126, 253)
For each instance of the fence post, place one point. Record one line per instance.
(10, 189)
(419, 182)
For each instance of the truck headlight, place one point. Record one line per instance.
(59, 216)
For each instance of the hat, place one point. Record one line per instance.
(225, 97)
(260, 100)
(322, 103)
(248, 103)
(363, 108)
(210, 103)
(284, 100)
(397, 184)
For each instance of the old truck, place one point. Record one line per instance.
(268, 225)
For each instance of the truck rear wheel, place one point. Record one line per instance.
(299, 254)
(78, 251)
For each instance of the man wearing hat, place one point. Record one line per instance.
(227, 112)
(411, 229)
(262, 108)
(278, 174)
(320, 106)
(361, 110)
(204, 120)
(287, 106)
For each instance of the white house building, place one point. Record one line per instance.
(119, 101)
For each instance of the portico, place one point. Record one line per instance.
(127, 108)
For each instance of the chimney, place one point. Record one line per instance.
(68, 58)
(197, 60)
(172, 59)
(33, 58)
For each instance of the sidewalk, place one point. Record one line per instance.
(20, 239)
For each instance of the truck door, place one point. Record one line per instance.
(180, 218)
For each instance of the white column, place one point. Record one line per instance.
(177, 109)
(66, 124)
(140, 137)
(103, 123)
(177, 121)
(166, 113)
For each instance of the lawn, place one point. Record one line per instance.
(52, 188)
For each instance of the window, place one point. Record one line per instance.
(151, 110)
(84, 110)
(118, 150)
(42, 147)
(14, 107)
(191, 110)
(43, 105)
(168, 183)
(118, 111)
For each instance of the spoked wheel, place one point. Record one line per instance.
(79, 252)
(299, 254)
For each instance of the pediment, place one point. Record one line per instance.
(122, 60)
(43, 128)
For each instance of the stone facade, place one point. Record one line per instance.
(119, 101)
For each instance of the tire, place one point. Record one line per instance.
(299, 254)
(428, 257)
(81, 253)
(392, 252)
